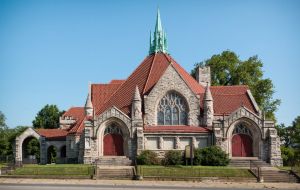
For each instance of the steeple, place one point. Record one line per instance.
(159, 42)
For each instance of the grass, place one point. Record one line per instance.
(286, 168)
(2, 165)
(192, 171)
(55, 169)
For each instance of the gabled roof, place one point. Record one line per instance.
(227, 99)
(78, 113)
(145, 77)
(75, 112)
(102, 92)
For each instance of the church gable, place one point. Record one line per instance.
(170, 81)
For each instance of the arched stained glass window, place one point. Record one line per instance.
(172, 110)
(175, 116)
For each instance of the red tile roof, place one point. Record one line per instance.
(116, 81)
(145, 77)
(78, 113)
(52, 133)
(227, 99)
(78, 127)
(75, 112)
(102, 92)
(176, 129)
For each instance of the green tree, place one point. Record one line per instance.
(284, 134)
(228, 69)
(2, 121)
(47, 117)
(3, 135)
(295, 133)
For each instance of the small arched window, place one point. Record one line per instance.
(172, 110)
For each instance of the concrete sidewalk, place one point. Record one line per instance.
(208, 184)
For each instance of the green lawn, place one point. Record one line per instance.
(195, 171)
(55, 169)
(287, 168)
(2, 164)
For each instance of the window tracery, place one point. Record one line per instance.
(113, 129)
(172, 110)
(242, 129)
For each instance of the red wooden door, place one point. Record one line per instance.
(113, 145)
(241, 145)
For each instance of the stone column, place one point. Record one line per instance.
(274, 148)
(18, 152)
(139, 138)
(43, 150)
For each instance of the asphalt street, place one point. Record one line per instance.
(98, 187)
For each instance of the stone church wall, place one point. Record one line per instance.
(171, 81)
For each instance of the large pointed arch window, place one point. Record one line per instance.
(172, 110)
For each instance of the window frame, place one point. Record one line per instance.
(166, 114)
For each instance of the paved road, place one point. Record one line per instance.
(98, 187)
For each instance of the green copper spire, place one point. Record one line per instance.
(159, 42)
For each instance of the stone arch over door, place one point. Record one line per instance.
(119, 124)
(31, 154)
(28, 133)
(254, 136)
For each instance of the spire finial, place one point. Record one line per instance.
(208, 96)
(158, 26)
(159, 42)
(88, 104)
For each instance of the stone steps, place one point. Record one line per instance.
(245, 162)
(113, 161)
(115, 172)
(278, 176)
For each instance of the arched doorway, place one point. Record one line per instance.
(31, 151)
(63, 153)
(51, 154)
(242, 143)
(113, 141)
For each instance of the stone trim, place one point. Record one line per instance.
(29, 132)
(111, 113)
(253, 101)
(240, 113)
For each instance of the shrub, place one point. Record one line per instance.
(197, 157)
(172, 157)
(212, 156)
(288, 155)
(147, 157)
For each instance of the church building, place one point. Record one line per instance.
(159, 107)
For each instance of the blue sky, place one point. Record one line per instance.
(50, 50)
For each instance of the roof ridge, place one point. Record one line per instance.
(152, 63)
(168, 58)
(108, 99)
(229, 86)
(79, 121)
